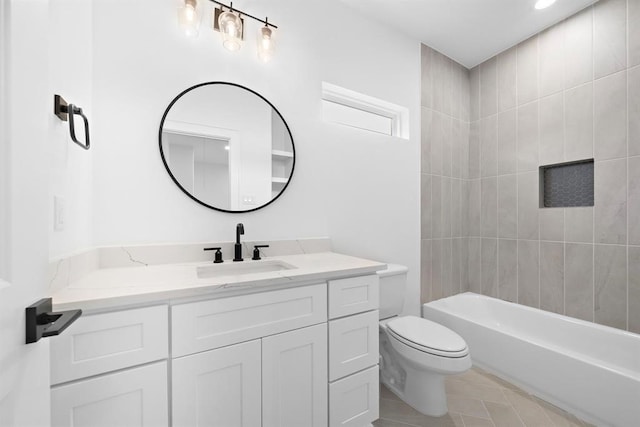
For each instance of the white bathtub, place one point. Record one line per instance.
(590, 370)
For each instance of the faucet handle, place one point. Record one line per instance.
(256, 251)
(218, 254)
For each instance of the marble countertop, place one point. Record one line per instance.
(111, 288)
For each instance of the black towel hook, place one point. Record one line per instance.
(65, 112)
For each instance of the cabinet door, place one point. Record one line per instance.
(135, 397)
(294, 378)
(354, 400)
(218, 387)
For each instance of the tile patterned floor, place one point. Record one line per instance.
(478, 399)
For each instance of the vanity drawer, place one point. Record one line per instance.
(353, 401)
(353, 344)
(206, 325)
(353, 295)
(106, 342)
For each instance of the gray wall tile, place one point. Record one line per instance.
(528, 279)
(610, 116)
(436, 269)
(579, 225)
(611, 201)
(447, 265)
(489, 207)
(633, 22)
(634, 111)
(425, 140)
(465, 96)
(425, 206)
(447, 100)
(551, 129)
(508, 270)
(437, 137)
(527, 69)
(456, 89)
(634, 289)
(425, 71)
(464, 259)
(474, 150)
(552, 224)
(456, 208)
(551, 60)
(578, 121)
(438, 76)
(609, 37)
(489, 266)
(473, 208)
(507, 142)
(579, 281)
(464, 149)
(436, 206)
(456, 148)
(634, 201)
(446, 207)
(578, 49)
(508, 206)
(488, 88)
(507, 79)
(489, 146)
(474, 282)
(425, 271)
(456, 265)
(611, 285)
(528, 137)
(528, 198)
(474, 85)
(552, 277)
(446, 145)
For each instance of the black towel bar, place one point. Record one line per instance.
(65, 112)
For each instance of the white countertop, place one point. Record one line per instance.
(120, 287)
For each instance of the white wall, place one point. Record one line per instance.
(70, 74)
(359, 188)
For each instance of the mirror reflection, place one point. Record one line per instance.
(227, 147)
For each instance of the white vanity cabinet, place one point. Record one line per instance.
(298, 356)
(353, 351)
(278, 378)
(96, 374)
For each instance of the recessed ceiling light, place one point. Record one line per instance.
(543, 4)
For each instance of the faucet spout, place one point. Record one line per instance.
(238, 246)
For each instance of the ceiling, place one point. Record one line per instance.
(468, 31)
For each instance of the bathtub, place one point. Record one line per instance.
(590, 370)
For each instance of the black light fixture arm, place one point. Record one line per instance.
(231, 8)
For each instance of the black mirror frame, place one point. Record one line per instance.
(191, 196)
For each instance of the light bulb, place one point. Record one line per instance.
(188, 18)
(543, 4)
(230, 26)
(266, 46)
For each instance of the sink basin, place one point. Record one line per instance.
(241, 268)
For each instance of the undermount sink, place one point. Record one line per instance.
(237, 269)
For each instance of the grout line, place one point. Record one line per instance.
(627, 141)
(593, 152)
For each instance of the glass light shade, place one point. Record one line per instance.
(188, 18)
(266, 46)
(230, 26)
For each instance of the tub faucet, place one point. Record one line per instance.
(238, 245)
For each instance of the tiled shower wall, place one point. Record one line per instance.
(444, 169)
(571, 92)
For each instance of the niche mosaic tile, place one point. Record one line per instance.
(567, 184)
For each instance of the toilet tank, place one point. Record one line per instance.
(393, 281)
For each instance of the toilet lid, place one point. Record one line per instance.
(427, 334)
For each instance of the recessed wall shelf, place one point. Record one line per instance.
(568, 184)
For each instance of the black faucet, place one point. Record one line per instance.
(238, 245)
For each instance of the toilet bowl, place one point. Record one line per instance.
(416, 353)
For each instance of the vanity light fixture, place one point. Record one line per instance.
(543, 4)
(188, 18)
(230, 23)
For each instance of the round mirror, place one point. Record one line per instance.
(226, 147)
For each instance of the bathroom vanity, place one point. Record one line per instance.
(286, 341)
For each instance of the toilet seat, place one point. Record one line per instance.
(428, 337)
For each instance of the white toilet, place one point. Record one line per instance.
(415, 353)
